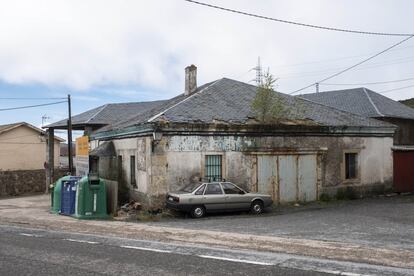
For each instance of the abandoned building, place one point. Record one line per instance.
(210, 132)
(370, 104)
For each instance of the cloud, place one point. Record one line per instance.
(84, 45)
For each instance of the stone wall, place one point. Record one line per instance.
(14, 183)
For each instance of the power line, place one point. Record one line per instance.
(371, 66)
(298, 23)
(32, 98)
(333, 59)
(30, 106)
(353, 66)
(368, 83)
(395, 89)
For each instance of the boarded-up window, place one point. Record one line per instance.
(213, 167)
(351, 164)
(132, 170)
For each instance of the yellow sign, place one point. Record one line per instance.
(82, 146)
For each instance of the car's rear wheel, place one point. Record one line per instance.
(198, 212)
(256, 207)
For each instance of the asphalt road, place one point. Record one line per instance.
(25, 251)
(379, 222)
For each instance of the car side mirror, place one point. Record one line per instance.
(241, 193)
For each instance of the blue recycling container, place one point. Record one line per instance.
(68, 197)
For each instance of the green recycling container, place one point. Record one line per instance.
(90, 200)
(56, 194)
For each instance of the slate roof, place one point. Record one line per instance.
(106, 149)
(229, 101)
(109, 113)
(363, 102)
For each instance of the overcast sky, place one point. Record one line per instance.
(118, 51)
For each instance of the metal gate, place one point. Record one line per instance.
(288, 178)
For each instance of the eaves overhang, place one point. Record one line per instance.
(133, 131)
(201, 129)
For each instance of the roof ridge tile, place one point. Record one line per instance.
(99, 111)
(182, 101)
(372, 102)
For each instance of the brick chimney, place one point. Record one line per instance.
(190, 79)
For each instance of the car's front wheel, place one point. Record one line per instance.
(256, 207)
(198, 212)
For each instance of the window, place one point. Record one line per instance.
(231, 189)
(213, 167)
(132, 171)
(200, 190)
(351, 163)
(213, 189)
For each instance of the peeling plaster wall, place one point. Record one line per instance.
(141, 149)
(185, 153)
(175, 161)
(376, 158)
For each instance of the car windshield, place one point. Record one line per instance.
(190, 188)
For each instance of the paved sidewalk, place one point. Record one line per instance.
(33, 211)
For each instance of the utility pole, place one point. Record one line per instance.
(70, 153)
(317, 87)
(259, 73)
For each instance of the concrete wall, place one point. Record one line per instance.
(21, 182)
(23, 148)
(175, 161)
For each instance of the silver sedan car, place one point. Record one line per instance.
(201, 198)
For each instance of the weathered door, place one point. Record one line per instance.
(288, 178)
(307, 178)
(288, 172)
(267, 175)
